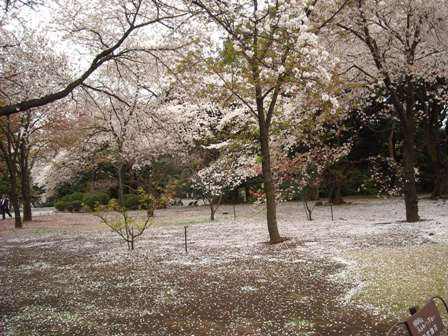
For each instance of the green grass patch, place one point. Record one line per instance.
(398, 278)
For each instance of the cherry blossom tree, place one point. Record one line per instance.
(223, 174)
(398, 43)
(120, 123)
(103, 34)
(9, 5)
(270, 61)
(10, 138)
(21, 138)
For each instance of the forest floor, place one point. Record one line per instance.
(67, 274)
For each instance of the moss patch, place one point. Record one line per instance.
(395, 279)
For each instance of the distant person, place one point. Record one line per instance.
(4, 205)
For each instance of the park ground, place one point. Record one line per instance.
(67, 274)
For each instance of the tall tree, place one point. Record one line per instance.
(271, 61)
(10, 140)
(397, 42)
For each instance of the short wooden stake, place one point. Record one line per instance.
(186, 243)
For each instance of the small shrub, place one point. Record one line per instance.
(131, 201)
(119, 221)
(162, 202)
(91, 200)
(73, 206)
(60, 205)
(86, 201)
(76, 196)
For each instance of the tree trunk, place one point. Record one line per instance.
(433, 148)
(212, 212)
(335, 195)
(437, 180)
(26, 183)
(440, 187)
(247, 194)
(26, 198)
(214, 203)
(312, 194)
(11, 162)
(269, 187)
(391, 143)
(444, 183)
(308, 210)
(13, 196)
(120, 171)
(410, 189)
(408, 123)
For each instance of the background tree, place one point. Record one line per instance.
(397, 42)
(220, 176)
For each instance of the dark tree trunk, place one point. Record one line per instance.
(335, 195)
(247, 193)
(312, 194)
(408, 126)
(269, 187)
(13, 196)
(25, 179)
(212, 212)
(391, 143)
(214, 203)
(26, 198)
(433, 148)
(120, 171)
(11, 163)
(443, 188)
(410, 189)
(308, 209)
(335, 179)
(440, 186)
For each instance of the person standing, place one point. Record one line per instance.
(4, 205)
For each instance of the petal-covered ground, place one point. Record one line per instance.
(66, 274)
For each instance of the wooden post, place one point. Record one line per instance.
(186, 243)
(413, 310)
(331, 209)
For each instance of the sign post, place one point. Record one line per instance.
(426, 321)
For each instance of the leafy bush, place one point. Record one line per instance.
(131, 201)
(76, 196)
(116, 217)
(60, 205)
(73, 206)
(92, 199)
(76, 201)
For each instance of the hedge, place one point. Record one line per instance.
(76, 201)
(92, 199)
